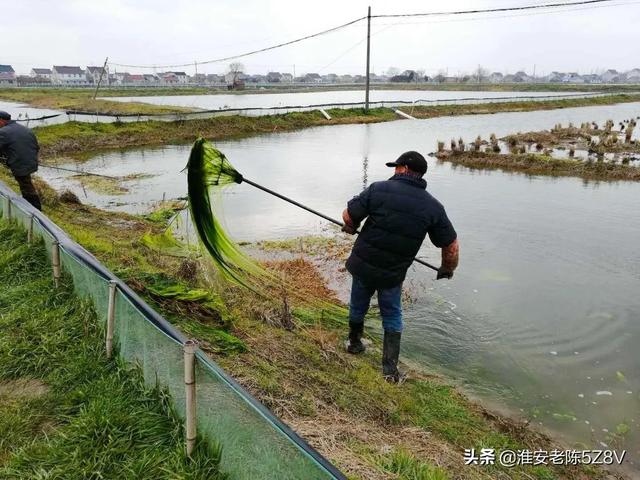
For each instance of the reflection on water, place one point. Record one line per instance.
(544, 312)
(22, 113)
(262, 100)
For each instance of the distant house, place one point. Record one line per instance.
(312, 78)
(330, 78)
(573, 77)
(345, 79)
(93, 74)
(256, 79)
(591, 78)
(150, 79)
(213, 78)
(495, 77)
(199, 78)
(168, 78)
(66, 75)
(7, 75)
(633, 76)
(286, 78)
(40, 73)
(609, 76)
(178, 78)
(554, 77)
(134, 79)
(521, 77)
(274, 77)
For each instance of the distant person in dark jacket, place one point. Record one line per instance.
(399, 214)
(19, 150)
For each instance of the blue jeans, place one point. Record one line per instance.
(388, 300)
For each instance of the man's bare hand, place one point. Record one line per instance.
(348, 226)
(444, 274)
(350, 229)
(450, 256)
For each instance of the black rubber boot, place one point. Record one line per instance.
(390, 356)
(355, 345)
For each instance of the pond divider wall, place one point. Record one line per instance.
(96, 117)
(255, 444)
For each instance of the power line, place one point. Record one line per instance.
(515, 15)
(352, 22)
(234, 57)
(493, 10)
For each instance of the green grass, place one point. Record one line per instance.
(83, 416)
(80, 99)
(407, 467)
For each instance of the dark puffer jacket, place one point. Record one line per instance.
(19, 147)
(400, 213)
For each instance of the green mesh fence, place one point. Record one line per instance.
(255, 444)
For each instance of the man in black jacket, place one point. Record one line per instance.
(19, 149)
(399, 214)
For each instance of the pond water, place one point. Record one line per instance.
(22, 113)
(265, 100)
(543, 315)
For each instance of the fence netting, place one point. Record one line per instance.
(255, 444)
(98, 117)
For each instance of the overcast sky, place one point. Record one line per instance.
(42, 33)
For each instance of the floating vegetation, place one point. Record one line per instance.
(105, 185)
(101, 185)
(166, 244)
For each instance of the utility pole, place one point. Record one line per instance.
(104, 67)
(366, 95)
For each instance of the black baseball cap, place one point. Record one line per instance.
(5, 115)
(413, 160)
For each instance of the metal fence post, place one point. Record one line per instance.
(190, 348)
(55, 262)
(111, 316)
(30, 230)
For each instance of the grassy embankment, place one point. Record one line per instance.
(523, 106)
(285, 88)
(541, 164)
(82, 100)
(521, 156)
(65, 410)
(340, 403)
(82, 138)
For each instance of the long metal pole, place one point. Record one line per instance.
(315, 212)
(366, 94)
